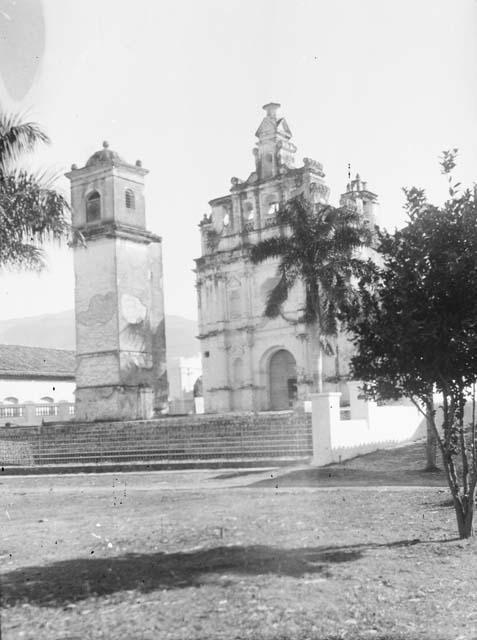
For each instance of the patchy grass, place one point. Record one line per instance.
(401, 466)
(201, 555)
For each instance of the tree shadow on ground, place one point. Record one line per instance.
(399, 466)
(69, 581)
(341, 475)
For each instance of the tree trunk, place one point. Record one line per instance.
(319, 381)
(315, 340)
(464, 510)
(337, 365)
(431, 436)
(431, 446)
(464, 504)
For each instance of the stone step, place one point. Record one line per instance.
(176, 442)
(144, 453)
(199, 438)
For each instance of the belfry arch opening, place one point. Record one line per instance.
(93, 207)
(282, 380)
(130, 199)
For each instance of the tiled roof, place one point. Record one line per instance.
(35, 362)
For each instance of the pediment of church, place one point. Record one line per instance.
(267, 127)
(283, 128)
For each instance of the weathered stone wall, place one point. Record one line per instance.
(120, 333)
(237, 436)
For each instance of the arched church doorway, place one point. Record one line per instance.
(282, 374)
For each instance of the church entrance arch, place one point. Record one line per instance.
(282, 380)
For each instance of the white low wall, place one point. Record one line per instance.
(370, 427)
(35, 390)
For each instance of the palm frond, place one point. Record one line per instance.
(326, 345)
(17, 138)
(25, 256)
(276, 298)
(269, 248)
(30, 214)
(319, 247)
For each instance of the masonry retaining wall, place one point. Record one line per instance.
(247, 436)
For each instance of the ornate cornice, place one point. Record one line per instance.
(116, 230)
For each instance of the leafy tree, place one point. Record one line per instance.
(318, 246)
(31, 211)
(415, 327)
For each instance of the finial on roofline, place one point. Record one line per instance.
(271, 109)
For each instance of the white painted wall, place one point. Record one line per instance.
(34, 390)
(370, 428)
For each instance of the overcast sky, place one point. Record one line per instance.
(385, 86)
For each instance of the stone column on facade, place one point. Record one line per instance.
(237, 213)
(252, 388)
(222, 391)
(249, 340)
(258, 213)
(63, 410)
(205, 310)
(29, 413)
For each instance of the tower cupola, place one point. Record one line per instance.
(358, 196)
(103, 156)
(107, 190)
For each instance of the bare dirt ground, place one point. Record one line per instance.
(349, 551)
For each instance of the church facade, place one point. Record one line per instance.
(250, 362)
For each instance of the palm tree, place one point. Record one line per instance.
(31, 211)
(318, 246)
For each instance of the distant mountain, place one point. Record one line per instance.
(57, 331)
(52, 330)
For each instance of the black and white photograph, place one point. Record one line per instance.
(238, 320)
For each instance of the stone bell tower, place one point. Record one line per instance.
(358, 196)
(120, 335)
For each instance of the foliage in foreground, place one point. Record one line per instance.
(319, 249)
(415, 327)
(31, 211)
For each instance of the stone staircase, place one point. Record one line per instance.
(220, 439)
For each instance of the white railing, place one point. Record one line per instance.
(32, 413)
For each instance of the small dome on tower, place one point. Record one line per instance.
(105, 155)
